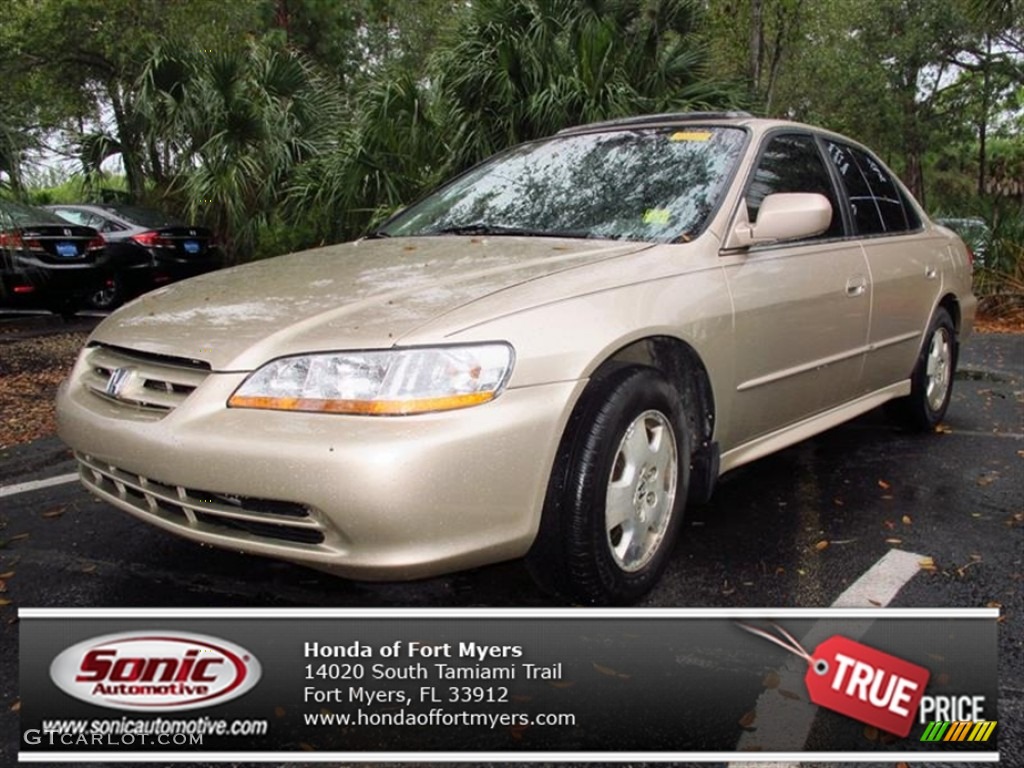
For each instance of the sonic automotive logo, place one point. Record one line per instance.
(155, 671)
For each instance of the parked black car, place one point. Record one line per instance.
(46, 261)
(147, 248)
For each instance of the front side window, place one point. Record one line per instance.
(646, 184)
(876, 202)
(792, 163)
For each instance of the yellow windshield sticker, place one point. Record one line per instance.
(656, 216)
(690, 136)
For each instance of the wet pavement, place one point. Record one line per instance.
(794, 529)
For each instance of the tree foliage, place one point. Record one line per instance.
(319, 117)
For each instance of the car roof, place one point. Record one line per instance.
(726, 118)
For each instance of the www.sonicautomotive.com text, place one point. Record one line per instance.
(126, 731)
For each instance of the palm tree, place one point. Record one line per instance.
(231, 126)
(526, 68)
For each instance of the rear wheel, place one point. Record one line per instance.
(932, 380)
(616, 497)
(109, 296)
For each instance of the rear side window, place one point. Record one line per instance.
(792, 163)
(877, 204)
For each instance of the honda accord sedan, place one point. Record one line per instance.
(549, 357)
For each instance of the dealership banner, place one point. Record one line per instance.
(403, 685)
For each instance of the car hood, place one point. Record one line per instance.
(367, 294)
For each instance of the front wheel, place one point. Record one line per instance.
(616, 497)
(932, 380)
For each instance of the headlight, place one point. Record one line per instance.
(386, 382)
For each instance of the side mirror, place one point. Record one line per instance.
(785, 216)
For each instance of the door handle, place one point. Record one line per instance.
(930, 272)
(856, 286)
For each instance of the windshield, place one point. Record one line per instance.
(653, 184)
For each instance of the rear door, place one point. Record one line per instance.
(905, 263)
(801, 308)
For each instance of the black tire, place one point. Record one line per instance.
(931, 384)
(581, 553)
(109, 296)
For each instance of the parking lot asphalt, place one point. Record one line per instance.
(794, 529)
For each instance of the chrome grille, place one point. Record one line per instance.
(149, 382)
(240, 517)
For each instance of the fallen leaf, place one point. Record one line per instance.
(4, 601)
(876, 603)
(16, 706)
(927, 564)
(889, 525)
(748, 719)
(894, 541)
(821, 545)
(838, 502)
(609, 671)
(19, 537)
(906, 520)
(993, 604)
(55, 512)
(888, 497)
(771, 680)
(902, 765)
(7, 575)
(942, 429)
(88, 568)
(871, 733)
(3, 585)
(278, 711)
(884, 485)
(789, 694)
(306, 747)
(988, 478)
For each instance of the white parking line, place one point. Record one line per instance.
(783, 721)
(33, 485)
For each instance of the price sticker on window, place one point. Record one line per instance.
(859, 681)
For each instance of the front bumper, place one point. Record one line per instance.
(363, 497)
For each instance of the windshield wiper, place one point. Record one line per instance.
(376, 234)
(481, 228)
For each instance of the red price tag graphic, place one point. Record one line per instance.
(866, 684)
(858, 681)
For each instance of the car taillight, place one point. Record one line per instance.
(149, 239)
(10, 240)
(96, 243)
